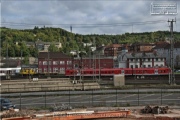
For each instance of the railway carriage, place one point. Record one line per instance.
(9, 71)
(114, 71)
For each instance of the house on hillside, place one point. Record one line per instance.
(111, 50)
(141, 47)
(43, 46)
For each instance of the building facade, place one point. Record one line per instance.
(138, 60)
(141, 47)
(163, 49)
(111, 50)
(56, 62)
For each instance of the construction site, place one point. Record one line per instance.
(100, 113)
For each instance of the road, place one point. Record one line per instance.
(96, 98)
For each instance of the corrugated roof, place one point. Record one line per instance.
(161, 44)
(113, 45)
(176, 45)
(53, 55)
(142, 55)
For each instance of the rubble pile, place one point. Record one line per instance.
(155, 110)
(60, 107)
(13, 113)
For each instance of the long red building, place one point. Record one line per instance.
(57, 62)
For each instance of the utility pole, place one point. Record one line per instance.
(7, 63)
(172, 77)
(94, 67)
(48, 66)
(71, 28)
(99, 68)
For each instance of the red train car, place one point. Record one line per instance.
(115, 71)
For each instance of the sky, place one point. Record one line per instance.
(110, 17)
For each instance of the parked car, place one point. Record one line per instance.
(6, 104)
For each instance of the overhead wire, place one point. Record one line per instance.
(86, 25)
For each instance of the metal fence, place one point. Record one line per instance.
(95, 98)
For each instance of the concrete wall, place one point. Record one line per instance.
(119, 80)
(46, 86)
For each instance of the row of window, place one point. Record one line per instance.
(144, 66)
(51, 70)
(55, 62)
(148, 59)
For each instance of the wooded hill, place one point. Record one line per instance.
(70, 41)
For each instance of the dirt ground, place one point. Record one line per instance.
(173, 114)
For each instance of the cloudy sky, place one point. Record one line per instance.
(88, 16)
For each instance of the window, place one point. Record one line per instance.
(149, 65)
(40, 63)
(55, 62)
(62, 62)
(131, 66)
(62, 69)
(45, 69)
(55, 69)
(149, 59)
(49, 69)
(40, 70)
(44, 62)
(69, 62)
(136, 66)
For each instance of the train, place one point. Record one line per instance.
(9, 71)
(161, 71)
(89, 72)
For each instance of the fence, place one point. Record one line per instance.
(96, 98)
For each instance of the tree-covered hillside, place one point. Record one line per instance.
(70, 41)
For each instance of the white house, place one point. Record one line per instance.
(137, 60)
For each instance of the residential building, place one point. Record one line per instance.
(141, 47)
(43, 46)
(142, 59)
(111, 50)
(163, 49)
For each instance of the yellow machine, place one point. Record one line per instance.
(28, 71)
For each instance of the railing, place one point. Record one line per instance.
(96, 98)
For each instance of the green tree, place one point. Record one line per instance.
(26, 60)
(53, 48)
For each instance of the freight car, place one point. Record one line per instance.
(114, 71)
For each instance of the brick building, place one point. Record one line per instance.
(58, 62)
(111, 50)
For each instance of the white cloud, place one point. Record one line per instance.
(78, 13)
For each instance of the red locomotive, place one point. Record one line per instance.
(115, 71)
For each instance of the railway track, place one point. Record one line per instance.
(107, 80)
